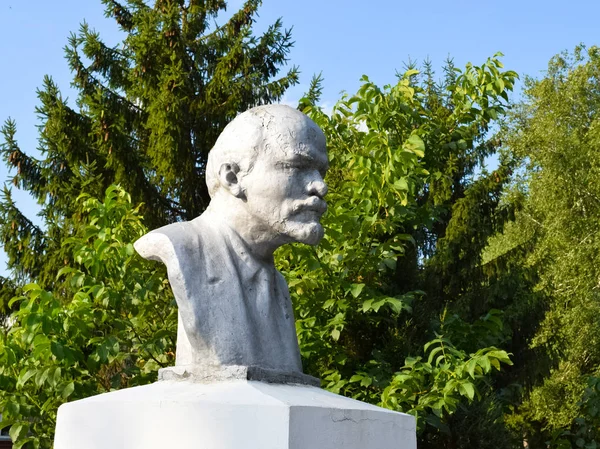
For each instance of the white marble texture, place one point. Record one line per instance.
(229, 415)
(265, 176)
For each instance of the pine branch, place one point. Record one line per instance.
(120, 13)
(313, 95)
(23, 241)
(29, 176)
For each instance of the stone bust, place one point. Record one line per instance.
(265, 178)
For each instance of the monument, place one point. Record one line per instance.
(238, 381)
(265, 177)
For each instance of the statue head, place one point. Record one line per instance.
(269, 164)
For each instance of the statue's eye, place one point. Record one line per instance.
(289, 166)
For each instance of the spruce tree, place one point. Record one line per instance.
(148, 111)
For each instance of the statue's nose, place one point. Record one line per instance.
(317, 186)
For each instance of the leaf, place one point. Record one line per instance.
(31, 287)
(18, 431)
(26, 374)
(471, 365)
(395, 304)
(467, 389)
(495, 363)
(327, 304)
(313, 264)
(356, 289)
(409, 73)
(484, 362)
(433, 353)
(501, 355)
(366, 382)
(67, 390)
(57, 350)
(401, 184)
(436, 422)
(22, 442)
(13, 408)
(15, 299)
(64, 271)
(415, 144)
(42, 376)
(56, 376)
(103, 352)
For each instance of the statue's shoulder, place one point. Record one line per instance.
(165, 244)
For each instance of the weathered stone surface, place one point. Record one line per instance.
(206, 374)
(229, 415)
(265, 176)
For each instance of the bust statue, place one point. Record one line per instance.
(265, 178)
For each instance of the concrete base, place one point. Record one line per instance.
(210, 374)
(229, 415)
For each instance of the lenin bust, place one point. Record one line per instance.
(265, 177)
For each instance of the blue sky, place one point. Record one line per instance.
(343, 39)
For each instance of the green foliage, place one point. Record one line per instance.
(421, 277)
(555, 135)
(396, 155)
(433, 388)
(109, 323)
(585, 429)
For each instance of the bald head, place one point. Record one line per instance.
(273, 130)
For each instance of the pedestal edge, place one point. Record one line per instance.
(202, 374)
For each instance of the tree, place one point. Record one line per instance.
(148, 112)
(555, 135)
(390, 205)
(111, 324)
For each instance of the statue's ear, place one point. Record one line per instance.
(228, 178)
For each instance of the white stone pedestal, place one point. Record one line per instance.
(229, 415)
